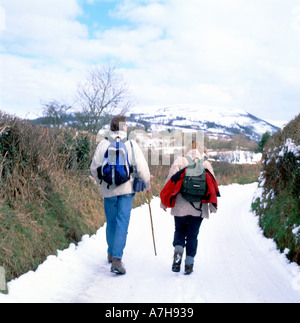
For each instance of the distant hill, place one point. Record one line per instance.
(213, 120)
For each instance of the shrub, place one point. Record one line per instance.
(47, 198)
(278, 204)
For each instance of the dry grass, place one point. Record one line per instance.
(47, 198)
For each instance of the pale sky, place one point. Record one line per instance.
(230, 53)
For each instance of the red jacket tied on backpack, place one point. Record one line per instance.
(172, 188)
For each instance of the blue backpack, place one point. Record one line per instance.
(115, 168)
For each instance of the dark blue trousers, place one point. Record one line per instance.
(186, 233)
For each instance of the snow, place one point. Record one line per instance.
(296, 233)
(215, 119)
(195, 112)
(290, 147)
(296, 230)
(235, 263)
(236, 157)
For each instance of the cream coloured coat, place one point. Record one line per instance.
(183, 207)
(141, 163)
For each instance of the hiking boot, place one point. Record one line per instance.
(117, 267)
(109, 258)
(188, 269)
(177, 262)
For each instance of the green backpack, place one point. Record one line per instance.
(194, 187)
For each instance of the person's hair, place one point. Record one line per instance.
(193, 144)
(117, 122)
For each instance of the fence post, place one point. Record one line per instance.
(3, 287)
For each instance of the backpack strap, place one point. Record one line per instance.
(133, 159)
(200, 207)
(190, 160)
(116, 139)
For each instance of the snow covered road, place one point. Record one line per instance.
(235, 263)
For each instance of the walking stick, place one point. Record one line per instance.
(148, 196)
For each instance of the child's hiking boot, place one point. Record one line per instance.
(188, 269)
(117, 267)
(189, 265)
(177, 262)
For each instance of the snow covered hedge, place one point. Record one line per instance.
(276, 201)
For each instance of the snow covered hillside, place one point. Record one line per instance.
(235, 263)
(213, 120)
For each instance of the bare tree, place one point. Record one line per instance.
(55, 113)
(103, 94)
